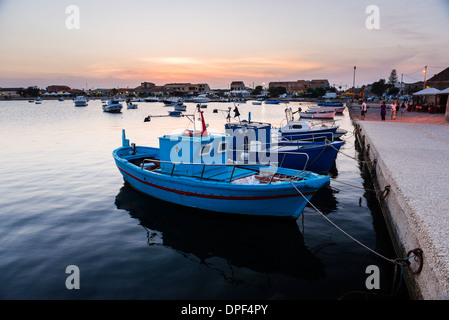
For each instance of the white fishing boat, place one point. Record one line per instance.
(131, 105)
(80, 101)
(317, 114)
(307, 130)
(180, 107)
(202, 98)
(151, 99)
(172, 101)
(337, 109)
(113, 106)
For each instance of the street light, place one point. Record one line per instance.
(353, 85)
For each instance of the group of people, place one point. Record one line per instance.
(394, 108)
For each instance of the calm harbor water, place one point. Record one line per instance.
(64, 203)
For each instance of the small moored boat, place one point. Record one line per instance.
(80, 101)
(175, 113)
(131, 105)
(317, 114)
(253, 143)
(320, 109)
(191, 169)
(113, 106)
(272, 101)
(328, 103)
(306, 130)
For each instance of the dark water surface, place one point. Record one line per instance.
(63, 202)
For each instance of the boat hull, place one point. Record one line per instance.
(274, 200)
(317, 115)
(320, 156)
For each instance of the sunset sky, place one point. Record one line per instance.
(123, 43)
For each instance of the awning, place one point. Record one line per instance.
(445, 91)
(427, 92)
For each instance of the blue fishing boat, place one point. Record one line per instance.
(307, 155)
(272, 101)
(330, 104)
(192, 169)
(175, 113)
(253, 141)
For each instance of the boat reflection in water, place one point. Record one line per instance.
(266, 245)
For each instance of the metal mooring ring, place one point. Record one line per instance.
(419, 255)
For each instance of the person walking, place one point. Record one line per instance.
(402, 109)
(393, 111)
(363, 110)
(383, 110)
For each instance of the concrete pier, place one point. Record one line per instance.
(413, 158)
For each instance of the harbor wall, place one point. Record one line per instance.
(411, 162)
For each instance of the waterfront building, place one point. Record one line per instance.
(185, 88)
(300, 85)
(10, 92)
(411, 88)
(439, 81)
(237, 86)
(58, 88)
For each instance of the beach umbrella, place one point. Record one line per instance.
(427, 92)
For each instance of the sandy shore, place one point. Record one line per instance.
(373, 114)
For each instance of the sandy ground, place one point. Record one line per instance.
(373, 114)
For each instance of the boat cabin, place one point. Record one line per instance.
(189, 149)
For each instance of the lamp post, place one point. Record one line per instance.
(353, 84)
(425, 76)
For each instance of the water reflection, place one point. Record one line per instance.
(262, 245)
(325, 200)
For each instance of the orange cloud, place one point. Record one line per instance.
(189, 69)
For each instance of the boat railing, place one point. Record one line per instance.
(248, 166)
(276, 152)
(313, 137)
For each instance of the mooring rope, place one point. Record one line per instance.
(394, 261)
(354, 186)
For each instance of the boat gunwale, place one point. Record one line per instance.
(303, 175)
